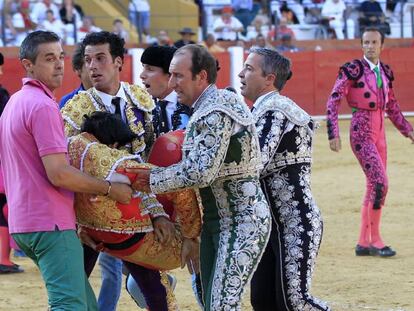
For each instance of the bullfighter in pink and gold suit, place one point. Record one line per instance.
(367, 86)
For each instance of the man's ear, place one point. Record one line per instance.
(270, 79)
(203, 75)
(27, 65)
(119, 62)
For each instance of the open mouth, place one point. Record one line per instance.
(96, 76)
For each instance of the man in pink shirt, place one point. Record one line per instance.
(39, 180)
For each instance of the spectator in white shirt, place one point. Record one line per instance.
(39, 11)
(334, 10)
(53, 24)
(87, 26)
(227, 26)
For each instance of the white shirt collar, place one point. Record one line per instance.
(372, 65)
(171, 98)
(107, 99)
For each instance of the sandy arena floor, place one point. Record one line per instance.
(345, 281)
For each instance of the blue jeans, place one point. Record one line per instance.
(111, 274)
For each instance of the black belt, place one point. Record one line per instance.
(135, 238)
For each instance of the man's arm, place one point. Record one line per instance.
(199, 166)
(62, 175)
(394, 113)
(339, 90)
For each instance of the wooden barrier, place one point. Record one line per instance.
(314, 74)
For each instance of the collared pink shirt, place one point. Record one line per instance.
(31, 127)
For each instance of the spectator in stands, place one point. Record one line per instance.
(139, 15)
(211, 44)
(372, 15)
(276, 33)
(163, 39)
(289, 15)
(39, 11)
(245, 11)
(53, 24)
(88, 26)
(286, 45)
(227, 27)
(21, 24)
(71, 13)
(334, 11)
(186, 37)
(261, 42)
(118, 29)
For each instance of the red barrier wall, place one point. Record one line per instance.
(314, 74)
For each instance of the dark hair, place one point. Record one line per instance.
(78, 57)
(116, 43)
(29, 47)
(117, 20)
(274, 63)
(374, 29)
(108, 128)
(1, 59)
(201, 59)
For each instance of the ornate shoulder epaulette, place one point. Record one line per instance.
(388, 71)
(140, 97)
(353, 70)
(224, 101)
(275, 101)
(74, 110)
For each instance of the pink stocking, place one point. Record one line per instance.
(375, 217)
(365, 229)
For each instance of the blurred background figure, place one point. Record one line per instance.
(286, 45)
(71, 13)
(39, 11)
(21, 24)
(163, 39)
(245, 11)
(186, 37)
(88, 26)
(372, 15)
(333, 11)
(140, 16)
(261, 42)
(53, 24)
(118, 29)
(211, 44)
(276, 33)
(227, 27)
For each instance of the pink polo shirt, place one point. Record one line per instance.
(31, 127)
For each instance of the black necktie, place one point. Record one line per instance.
(163, 117)
(116, 101)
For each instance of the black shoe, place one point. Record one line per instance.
(362, 250)
(386, 251)
(10, 269)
